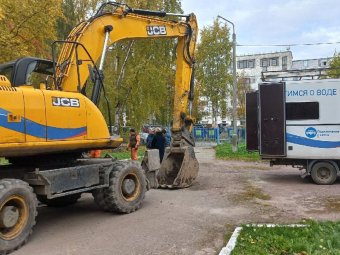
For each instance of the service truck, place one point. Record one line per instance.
(297, 123)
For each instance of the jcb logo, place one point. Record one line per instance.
(156, 30)
(65, 102)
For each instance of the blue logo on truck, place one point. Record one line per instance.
(311, 132)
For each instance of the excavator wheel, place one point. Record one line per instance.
(126, 190)
(59, 201)
(179, 168)
(18, 211)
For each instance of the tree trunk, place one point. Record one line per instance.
(118, 107)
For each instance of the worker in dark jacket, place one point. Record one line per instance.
(149, 139)
(158, 142)
(167, 137)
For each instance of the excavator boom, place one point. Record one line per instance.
(55, 117)
(179, 167)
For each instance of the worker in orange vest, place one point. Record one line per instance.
(134, 142)
(95, 153)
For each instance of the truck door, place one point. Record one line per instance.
(252, 121)
(272, 119)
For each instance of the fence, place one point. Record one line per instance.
(217, 135)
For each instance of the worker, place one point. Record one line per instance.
(158, 142)
(150, 137)
(95, 153)
(134, 142)
(167, 137)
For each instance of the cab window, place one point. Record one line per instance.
(38, 72)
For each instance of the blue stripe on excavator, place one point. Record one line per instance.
(38, 130)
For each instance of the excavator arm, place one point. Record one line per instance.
(87, 44)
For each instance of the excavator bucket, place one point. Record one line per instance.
(179, 168)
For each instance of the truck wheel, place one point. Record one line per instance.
(60, 201)
(18, 209)
(126, 190)
(324, 173)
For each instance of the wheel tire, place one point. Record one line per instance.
(126, 191)
(60, 201)
(324, 173)
(18, 195)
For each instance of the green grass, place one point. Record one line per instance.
(122, 153)
(3, 161)
(224, 151)
(318, 238)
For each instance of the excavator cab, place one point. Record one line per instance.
(27, 71)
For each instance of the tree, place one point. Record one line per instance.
(335, 67)
(139, 76)
(74, 11)
(243, 87)
(27, 27)
(198, 104)
(213, 62)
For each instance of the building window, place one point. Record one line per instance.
(284, 63)
(251, 63)
(241, 64)
(269, 62)
(322, 62)
(264, 62)
(302, 111)
(246, 81)
(274, 62)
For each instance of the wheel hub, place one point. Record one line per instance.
(324, 173)
(9, 216)
(13, 217)
(129, 187)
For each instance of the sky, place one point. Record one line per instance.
(268, 22)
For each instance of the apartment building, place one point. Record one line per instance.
(251, 66)
(275, 66)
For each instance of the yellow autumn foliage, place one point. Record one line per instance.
(27, 27)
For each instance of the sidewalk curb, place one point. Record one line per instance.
(231, 243)
(233, 239)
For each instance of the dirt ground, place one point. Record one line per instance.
(188, 221)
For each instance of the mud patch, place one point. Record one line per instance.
(333, 204)
(252, 167)
(250, 193)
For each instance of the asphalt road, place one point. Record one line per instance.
(189, 221)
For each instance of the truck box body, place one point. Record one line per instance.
(295, 119)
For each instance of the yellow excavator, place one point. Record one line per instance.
(46, 127)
